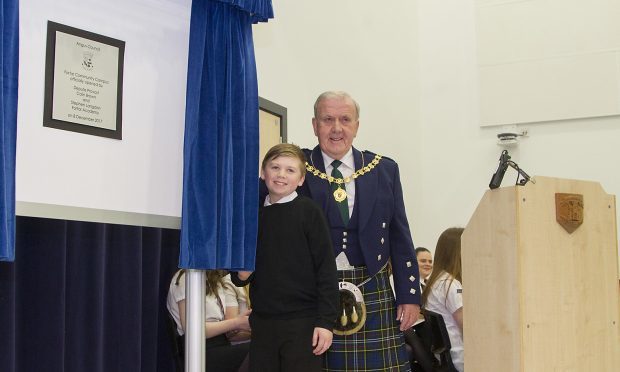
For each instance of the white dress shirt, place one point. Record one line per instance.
(347, 168)
(284, 199)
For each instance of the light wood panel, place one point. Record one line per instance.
(490, 281)
(269, 133)
(539, 298)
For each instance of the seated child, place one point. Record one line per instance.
(444, 290)
(223, 321)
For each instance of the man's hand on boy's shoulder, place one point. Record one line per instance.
(244, 275)
(240, 278)
(321, 340)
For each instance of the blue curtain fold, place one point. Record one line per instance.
(85, 296)
(260, 10)
(220, 172)
(9, 64)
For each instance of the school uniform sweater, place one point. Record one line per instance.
(295, 273)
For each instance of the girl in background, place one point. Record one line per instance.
(223, 322)
(444, 290)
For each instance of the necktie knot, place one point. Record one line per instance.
(336, 164)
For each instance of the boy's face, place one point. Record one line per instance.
(425, 263)
(282, 175)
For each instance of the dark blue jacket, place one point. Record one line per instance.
(382, 223)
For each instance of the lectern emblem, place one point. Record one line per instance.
(569, 211)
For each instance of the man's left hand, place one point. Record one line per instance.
(407, 314)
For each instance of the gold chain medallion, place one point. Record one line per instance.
(340, 194)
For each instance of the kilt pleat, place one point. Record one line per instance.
(379, 345)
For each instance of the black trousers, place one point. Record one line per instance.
(283, 345)
(221, 356)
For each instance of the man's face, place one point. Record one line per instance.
(335, 126)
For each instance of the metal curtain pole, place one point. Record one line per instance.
(195, 321)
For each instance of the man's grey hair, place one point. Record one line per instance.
(335, 94)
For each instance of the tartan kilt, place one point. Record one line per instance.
(379, 345)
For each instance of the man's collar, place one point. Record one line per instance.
(347, 159)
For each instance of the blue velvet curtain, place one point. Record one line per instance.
(220, 179)
(84, 296)
(9, 31)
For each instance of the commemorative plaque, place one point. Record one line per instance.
(83, 82)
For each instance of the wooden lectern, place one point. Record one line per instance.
(536, 297)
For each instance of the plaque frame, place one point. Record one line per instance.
(50, 60)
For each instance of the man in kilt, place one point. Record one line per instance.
(361, 196)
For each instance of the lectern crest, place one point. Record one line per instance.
(569, 211)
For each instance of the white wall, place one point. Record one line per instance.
(547, 59)
(449, 118)
(413, 67)
(143, 172)
(366, 48)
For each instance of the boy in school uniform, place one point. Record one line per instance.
(294, 288)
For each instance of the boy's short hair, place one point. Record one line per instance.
(286, 149)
